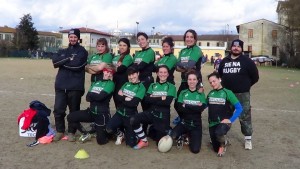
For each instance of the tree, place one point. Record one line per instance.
(26, 36)
(292, 9)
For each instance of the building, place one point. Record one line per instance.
(48, 41)
(282, 13)
(263, 37)
(88, 38)
(7, 33)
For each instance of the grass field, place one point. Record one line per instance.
(275, 112)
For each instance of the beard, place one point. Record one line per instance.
(236, 52)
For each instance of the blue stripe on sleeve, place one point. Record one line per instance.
(237, 112)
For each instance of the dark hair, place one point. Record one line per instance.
(192, 72)
(126, 41)
(131, 70)
(142, 34)
(194, 34)
(103, 41)
(162, 66)
(213, 74)
(169, 40)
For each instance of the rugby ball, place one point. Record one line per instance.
(165, 144)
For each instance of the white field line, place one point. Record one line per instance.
(276, 110)
(41, 94)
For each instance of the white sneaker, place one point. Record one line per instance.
(248, 145)
(120, 138)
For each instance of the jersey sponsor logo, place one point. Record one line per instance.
(191, 102)
(184, 59)
(213, 100)
(96, 89)
(159, 93)
(96, 61)
(128, 93)
(138, 60)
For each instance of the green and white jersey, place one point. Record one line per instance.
(147, 56)
(162, 89)
(99, 96)
(169, 60)
(127, 61)
(105, 85)
(99, 58)
(134, 90)
(191, 97)
(219, 102)
(193, 53)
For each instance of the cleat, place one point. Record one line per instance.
(58, 136)
(140, 145)
(120, 138)
(35, 143)
(221, 151)
(85, 137)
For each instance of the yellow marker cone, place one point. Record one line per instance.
(81, 154)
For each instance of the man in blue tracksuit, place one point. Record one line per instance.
(69, 82)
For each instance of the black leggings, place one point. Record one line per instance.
(160, 126)
(194, 133)
(119, 121)
(100, 120)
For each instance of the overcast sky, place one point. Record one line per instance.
(167, 16)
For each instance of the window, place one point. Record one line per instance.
(274, 34)
(250, 48)
(274, 51)
(218, 44)
(208, 43)
(250, 33)
(199, 43)
(1, 36)
(7, 37)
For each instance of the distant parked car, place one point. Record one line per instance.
(262, 59)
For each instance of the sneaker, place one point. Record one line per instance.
(120, 138)
(141, 144)
(85, 137)
(33, 144)
(248, 145)
(71, 137)
(221, 151)
(58, 136)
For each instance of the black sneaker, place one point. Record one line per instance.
(35, 143)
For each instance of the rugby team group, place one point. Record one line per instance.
(129, 81)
